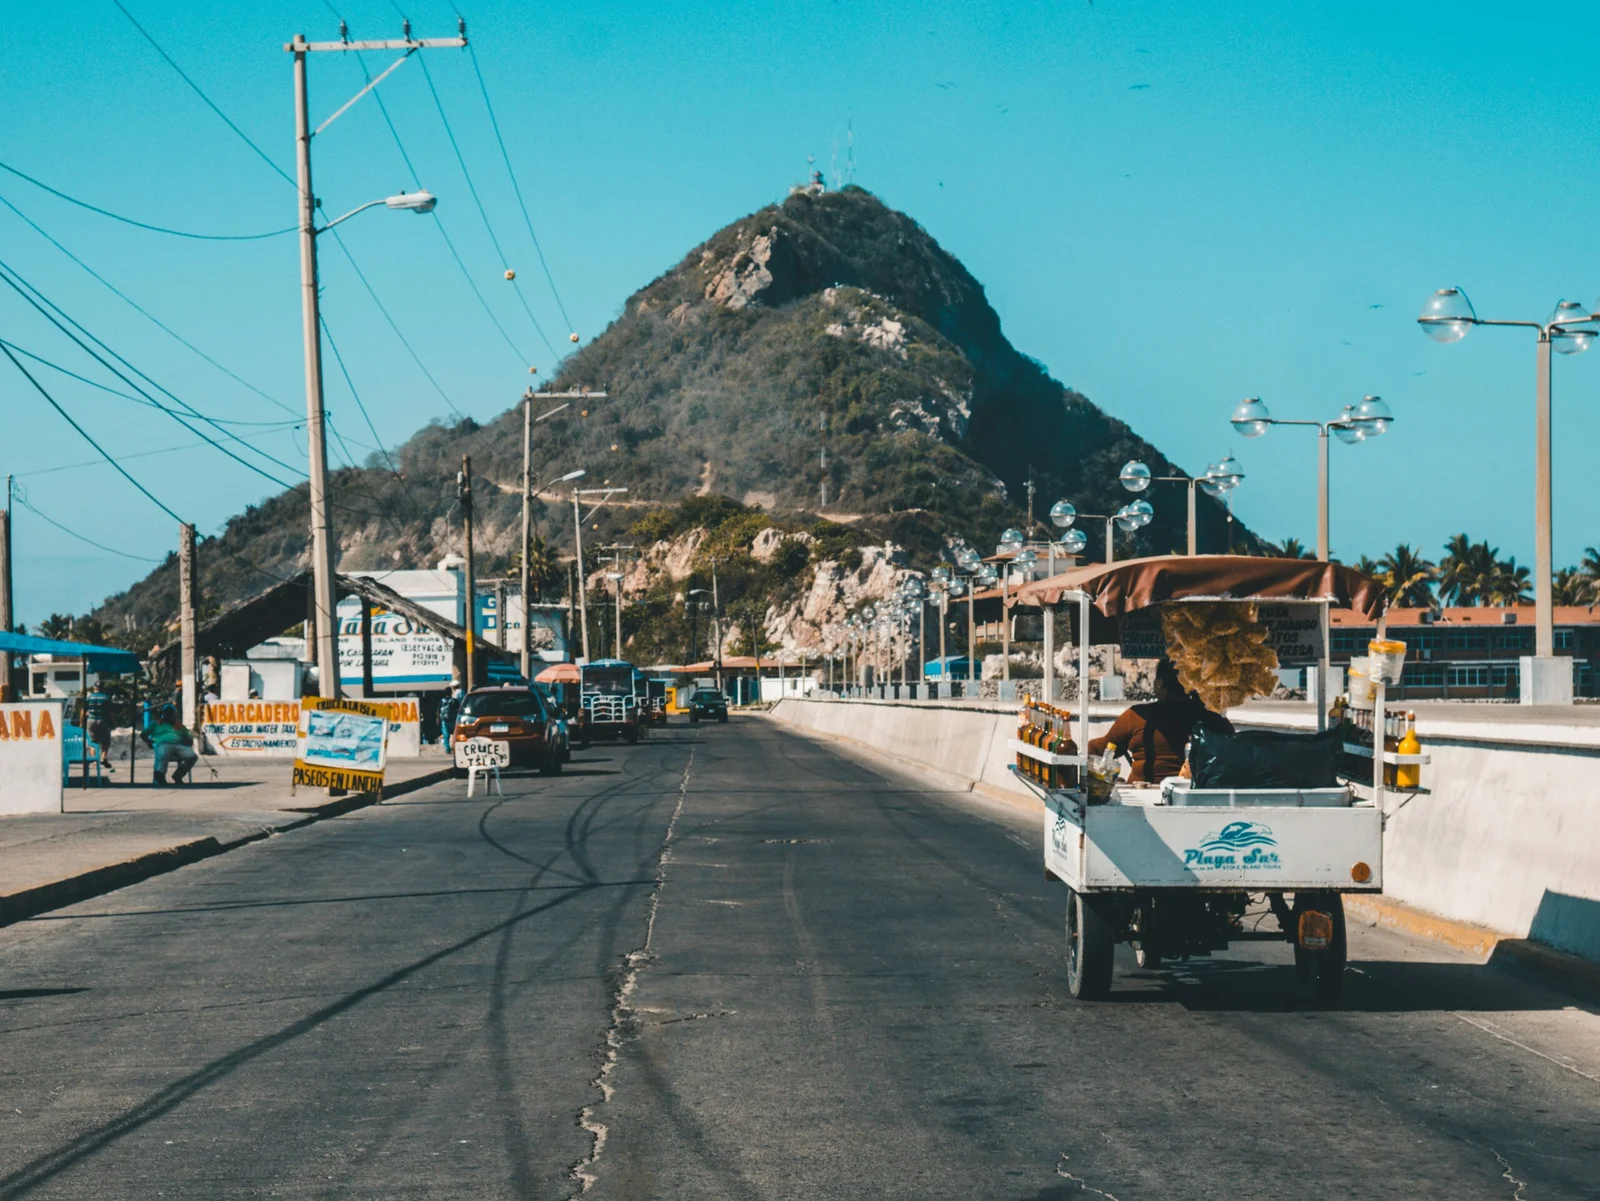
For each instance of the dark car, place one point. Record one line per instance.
(535, 732)
(708, 703)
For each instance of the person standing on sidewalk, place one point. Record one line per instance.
(172, 743)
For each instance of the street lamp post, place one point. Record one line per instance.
(1218, 480)
(322, 545)
(1354, 424)
(1570, 329)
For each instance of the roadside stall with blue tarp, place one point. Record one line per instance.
(102, 660)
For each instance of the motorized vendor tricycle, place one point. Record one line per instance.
(1172, 867)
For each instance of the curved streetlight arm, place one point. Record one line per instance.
(360, 208)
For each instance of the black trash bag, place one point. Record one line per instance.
(1265, 758)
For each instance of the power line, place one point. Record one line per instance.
(482, 212)
(381, 449)
(128, 300)
(121, 470)
(361, 275)
(21, 498)
(171, 62)
(6, 276)
(416, 181)
(138, 454)
(515, 187)
(160, 229)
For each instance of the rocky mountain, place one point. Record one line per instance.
(824, 341)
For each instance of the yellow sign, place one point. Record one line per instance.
(341, 744)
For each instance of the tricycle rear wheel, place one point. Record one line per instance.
(1319, 975)
(1090, 949)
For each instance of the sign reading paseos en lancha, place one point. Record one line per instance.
(269, 729)
(341, 744)
(261, 728)
(30, 758)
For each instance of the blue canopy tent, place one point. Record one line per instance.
(106, 660)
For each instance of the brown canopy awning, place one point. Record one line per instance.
(1118, 588)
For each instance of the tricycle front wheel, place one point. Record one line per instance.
(1090, 949)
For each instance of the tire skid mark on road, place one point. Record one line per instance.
(539, 970)
(623, 1017)
(809, 961)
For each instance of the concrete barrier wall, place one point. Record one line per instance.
(1508, 839)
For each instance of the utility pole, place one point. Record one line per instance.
(464, 490)
(1030, 500)
(185, 620)
(8, 613)
(578, 519)
(583, 583)
(526, 662)
(528, 422)
(322, 545)
(621, 565)
(716, 621)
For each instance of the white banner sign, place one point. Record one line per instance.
(402, 653)
(30, 758)
(257, 729)
(1295, 632)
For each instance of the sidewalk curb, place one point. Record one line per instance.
(97, 881)
(1526, 958)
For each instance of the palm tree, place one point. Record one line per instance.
(57, 625)
(1407, 578)
(1589, 570)
(1293, 548)
(1466, 574)
(1509, 584)
(1369, 566)
(1571, 587)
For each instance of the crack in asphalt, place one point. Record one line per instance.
(1083, 1186)
(623, 1014)
(1516, 1194)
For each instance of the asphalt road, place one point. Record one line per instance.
(734, 962)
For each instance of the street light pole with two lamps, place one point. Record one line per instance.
(1354, 424)
(1570, 329)
(1219, 480)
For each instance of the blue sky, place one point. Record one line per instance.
(1172, 206)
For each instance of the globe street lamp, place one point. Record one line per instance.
(1570, 329)
(1355, 423)
(1136, 477)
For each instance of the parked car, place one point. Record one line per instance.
(708, 703)
(535, 732)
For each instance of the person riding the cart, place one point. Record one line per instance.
(1152, 736)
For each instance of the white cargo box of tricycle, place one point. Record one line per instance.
(1134, 841)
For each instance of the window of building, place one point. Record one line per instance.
(1470, 675)
(1350, 641)
(1465, 640)
(1565, 639)
(1513, 640)
(1423, 640)
(1422, 675)
(1506, 675)
(38, 682)
(67, 677)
